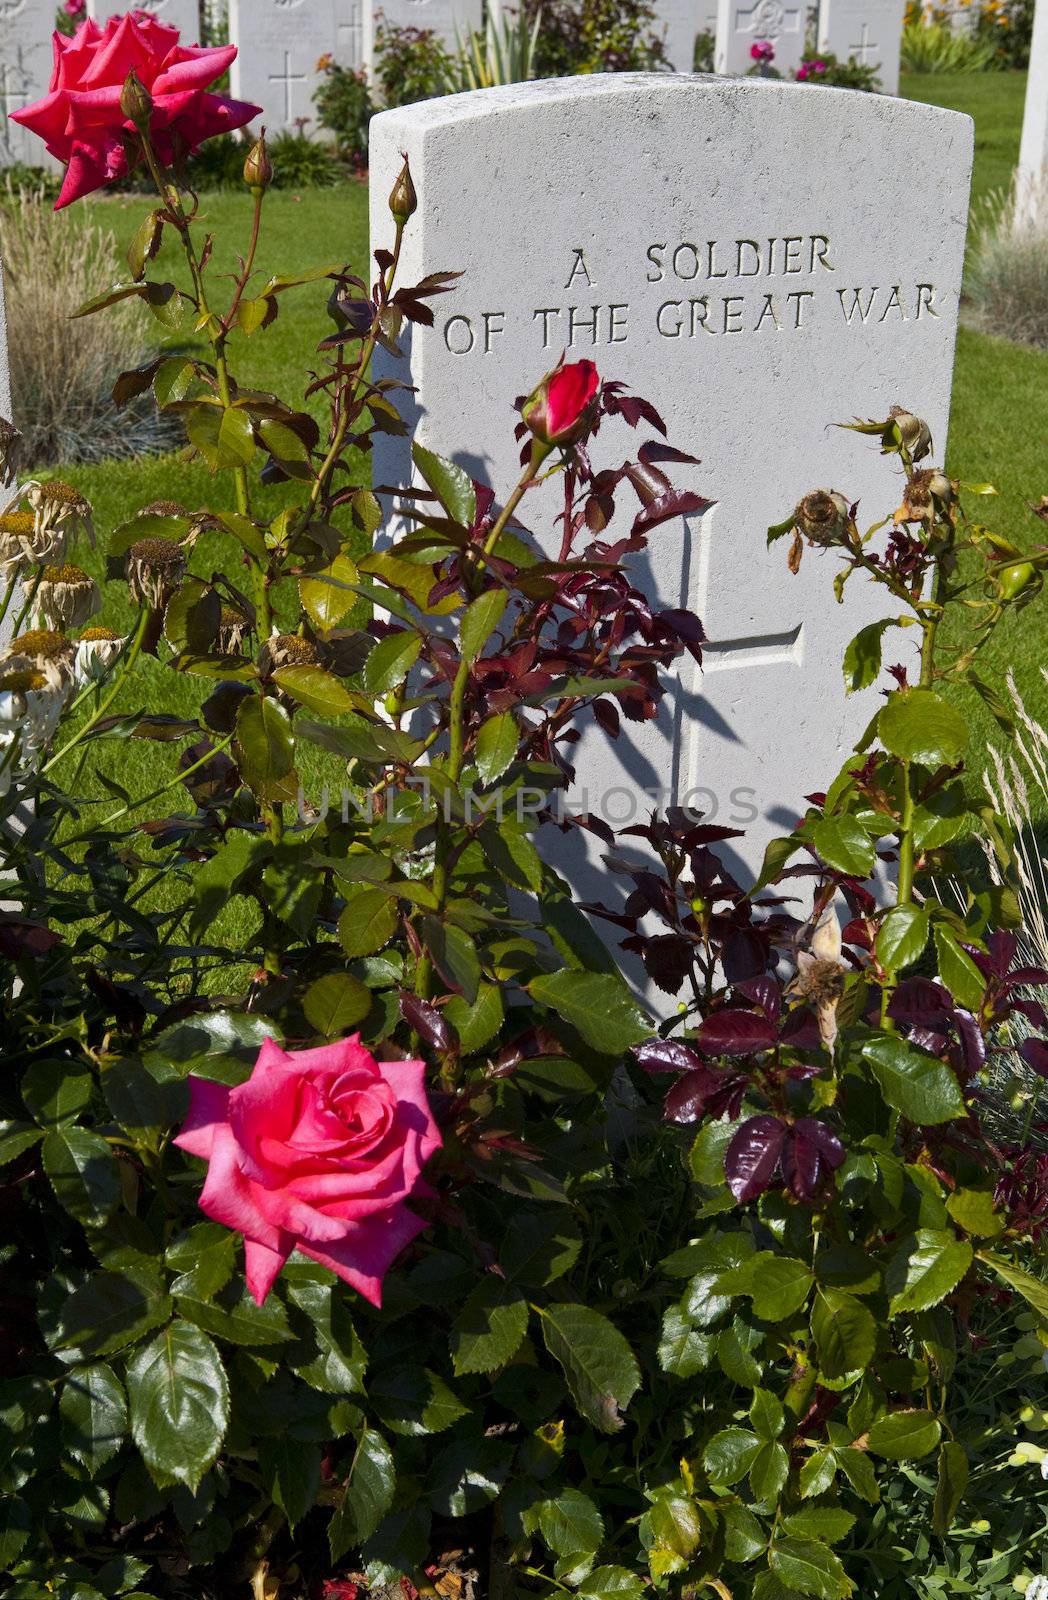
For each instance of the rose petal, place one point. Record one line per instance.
(208, 1106)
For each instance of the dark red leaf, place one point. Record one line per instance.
(668, 960)
(675, 503)
(433, 1028)
(920, 1001)
(667, 1055)
(753, 1156)
(735, 1033)
(686, 1100)
(1035, 1053)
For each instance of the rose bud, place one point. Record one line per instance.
(403, 201)
(1016, 578)
(914, 433)
(823, 515)
(560, 410)
(258, 169)
(136, 102)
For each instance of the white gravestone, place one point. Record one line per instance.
(740, 23)
(1032, 175)
(690, 235)
(678, 24)
(450, 20)
(181, 14)
(865, 31)
(26, 60)
(279, 43)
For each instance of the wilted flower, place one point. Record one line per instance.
(36, 680)
(66, 597)
(926, 491)
(822, 516)
(9, 442)
(288, 650)
(59, 506)
(163, 508)
(820, 975)
(155, 569)
(232, 630)
(22, 542)
(96, 650)
(914, 432)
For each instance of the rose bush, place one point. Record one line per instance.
(747, 1301)
(318, 1151)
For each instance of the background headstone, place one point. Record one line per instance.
(697, 239)
(26, 59)
(279, 43)
(1032, 176)
(678, 23)
(448, 19)
(740, 23)
(181, 14)
(866, 31)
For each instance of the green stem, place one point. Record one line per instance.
(905, 892)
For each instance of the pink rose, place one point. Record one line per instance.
(318, 1151)
(74, 8)
(80, 120)
(557, 412)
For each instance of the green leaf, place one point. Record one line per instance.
(327, 595)
(571, 1524)
(111, 1310)
(844, 1331)
(93, 1409)
(957, 969)
(482, 617)
(776, 854)
(454, 955)
(730, 1454)
(496, 746)
(368, 922)
(953, 1480)
(235, 1317)
(904, 1435)
(316, 689)
(342, 1361)
(336, 1004)
(179, 1403)
(820, 1522)
(862, 659)
(203, 1257)
(973, 1210)
(607, 1583)
(858, 1469)
(15, 1526)
(368, 1494)
(917, 1085)
(55, 1092)
(264, 747)
(390, 661)
(538, 1247)
(83, 1174)
(918, 725)
(1033, 1290)
(224, 438)
(479, 1023)
(768, 1472)
(928, 1266)
(808, 1567)
(15, 1138)
(600, 1368)
(142, 1106)
(598, 1005)
(844, 844)
(902, 937)
(778, 1285)
(684, 1349)
(286, 447)
(490, 1328)
(291, 1474)
(414, 1401)
(452, 486)
(467, 1474)
(766, 1414)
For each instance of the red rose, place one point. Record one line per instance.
(558, 410)
(318, 1151)
(80, 119)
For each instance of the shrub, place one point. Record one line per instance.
(504, 52)
(344, 108)
(822, 66)
(581, 36)
(411, 64)
(705, 49)
(1008, 273)
(61, 381)
(935, 47)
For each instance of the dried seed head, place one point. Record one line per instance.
(98, 635)
(288, 650)
(41, 644)
(232, 630)
(163, 508)
(23, 680)
(59, 506)
(823, 515)
(155, 568)
(925, 491)
(66, 597)
(10, 439)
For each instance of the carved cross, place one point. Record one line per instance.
(864, 48)
(350, 37)
(287, 79)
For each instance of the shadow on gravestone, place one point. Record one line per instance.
(758, 260)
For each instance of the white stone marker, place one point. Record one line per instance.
(1031, 180)
(866, 31)
(740, 23)
(279, 43)
(692, 237)
(26, 59)
(181, 14)
(678, 23)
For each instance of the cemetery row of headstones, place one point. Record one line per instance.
(280, 42)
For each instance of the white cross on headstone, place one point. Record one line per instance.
(860, 51)
(13, 98)
(287, 78)
(351, 39)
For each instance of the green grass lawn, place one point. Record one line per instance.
(1000, 398)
